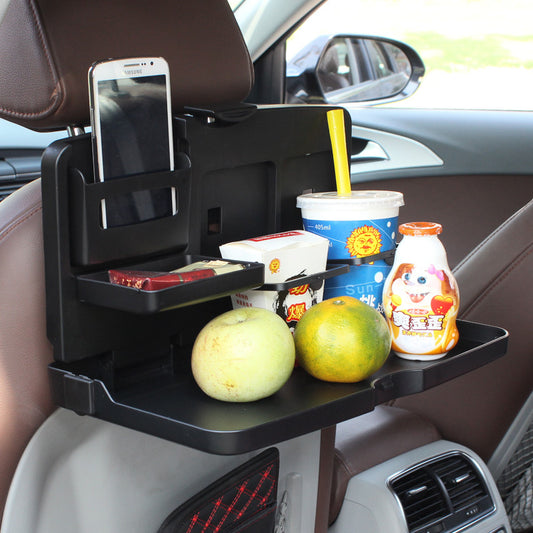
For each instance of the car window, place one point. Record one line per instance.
(380, 62)
(14, 136)
(478, 54)
(335, 71)
(234, 4)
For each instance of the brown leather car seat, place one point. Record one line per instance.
(475, 410)
(371, 439)
(496, 281)
(25, 352)
(46, 49)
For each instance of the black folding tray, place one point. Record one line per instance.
(123, 354)
(95, 288)
(176, 409)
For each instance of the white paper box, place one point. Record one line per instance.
(286, 256)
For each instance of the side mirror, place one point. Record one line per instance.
(353, 68)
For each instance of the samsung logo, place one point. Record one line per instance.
(133, 72)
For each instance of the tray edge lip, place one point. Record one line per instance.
(244, 440)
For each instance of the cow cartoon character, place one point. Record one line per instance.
(421, 291)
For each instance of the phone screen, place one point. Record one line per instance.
(134, 138)
(133, 122)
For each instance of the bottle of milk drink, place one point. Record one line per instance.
(420, 295)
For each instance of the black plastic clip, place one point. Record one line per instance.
(314, 280)
(73, 391)
(387, 256)
(223, 114)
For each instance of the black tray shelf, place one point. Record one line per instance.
(175, 408)
(95, 288)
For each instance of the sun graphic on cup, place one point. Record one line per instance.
(364, 241)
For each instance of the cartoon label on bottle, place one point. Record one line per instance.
(421, 304)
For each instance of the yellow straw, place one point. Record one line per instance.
(340, 155)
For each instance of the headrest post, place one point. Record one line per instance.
(74, 131)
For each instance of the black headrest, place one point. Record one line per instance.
(47, 47)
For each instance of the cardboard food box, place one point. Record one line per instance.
(286, 256)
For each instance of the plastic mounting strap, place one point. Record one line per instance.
(314, 280)
(223, 113)
(387, 256)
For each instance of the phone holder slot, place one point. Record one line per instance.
(91, 243)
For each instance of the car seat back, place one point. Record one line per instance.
(483, 409)
(49, 45)
(495, 280)
(46, 49)
(24, 348)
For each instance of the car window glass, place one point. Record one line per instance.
(379, 60)
(334, 70)
(15, 136)
(234, 4)
(478, 53)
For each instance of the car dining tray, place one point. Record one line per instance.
(173, 407)
(96, 288)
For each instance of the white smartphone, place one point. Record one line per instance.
(131, 123)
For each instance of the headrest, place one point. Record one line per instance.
(47, 47)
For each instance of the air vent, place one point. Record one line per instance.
(7, 188)
(18, 167)
(421, 497)
(447, 493)
(461, 480)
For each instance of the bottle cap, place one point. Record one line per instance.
(420, 228)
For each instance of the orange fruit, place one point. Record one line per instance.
(342, 340)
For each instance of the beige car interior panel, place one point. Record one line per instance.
(80, 474)
(374, 507)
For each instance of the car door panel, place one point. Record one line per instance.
(486, 172)
(468, 142)
(485, 178)
(468, 207)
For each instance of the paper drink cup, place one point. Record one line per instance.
(362, 224)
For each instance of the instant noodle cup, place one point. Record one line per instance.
(357, 226)
(287, 256)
